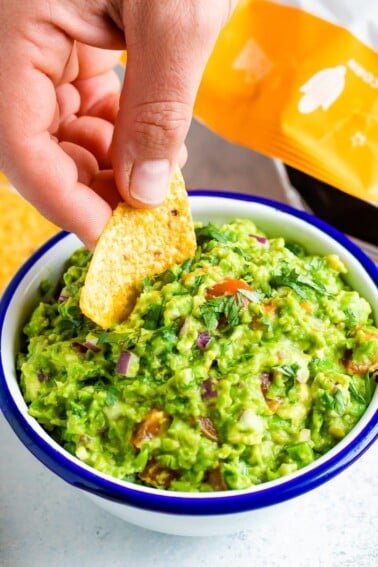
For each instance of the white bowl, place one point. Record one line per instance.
(176, 512)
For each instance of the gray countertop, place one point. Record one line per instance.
(44, 522)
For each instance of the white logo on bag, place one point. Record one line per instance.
(253, 60)
(367, 76)
(322, 89)
(358, 139)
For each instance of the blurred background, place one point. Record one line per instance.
(215, 163)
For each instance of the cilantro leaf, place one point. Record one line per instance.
(124, 340)
(242, 253)
(231, 310)
(249, 294)
(152, 316)
(198, 281)
(147, 283)
(328, 400)
(288, 370)
(213, 309)
(355, 393)
(111, 396)
(295, 248)
(340, 403)
(209, 314)
(297, 282)
(186, 266)
(210, 232)
(351, 318)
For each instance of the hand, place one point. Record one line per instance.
(69, 141)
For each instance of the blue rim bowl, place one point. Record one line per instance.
(215, 206)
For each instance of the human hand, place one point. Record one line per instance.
(69, 142)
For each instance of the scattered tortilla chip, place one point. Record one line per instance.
(134, 244)
(22, 231)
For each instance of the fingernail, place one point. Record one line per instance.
(149, 181)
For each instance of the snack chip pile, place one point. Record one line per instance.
(22, 231)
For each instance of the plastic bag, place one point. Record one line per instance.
(298, 80)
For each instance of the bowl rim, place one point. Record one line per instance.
(266, 494)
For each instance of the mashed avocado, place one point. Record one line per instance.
(239, 366)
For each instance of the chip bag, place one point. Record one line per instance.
(298, 80)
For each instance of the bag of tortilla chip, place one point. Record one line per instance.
(22, 230)
(298, 80)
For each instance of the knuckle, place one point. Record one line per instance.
(198, 19)
(161, 125)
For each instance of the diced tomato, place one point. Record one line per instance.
(266, 379)
(307, 307)
(208, 428)
(157, 475)
(370, 362)
(273, 405)
(256, 323)
(153, 425)
(270, 307)
(215, 479)
(229, 287)
(354, 367)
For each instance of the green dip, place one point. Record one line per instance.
(237, 367)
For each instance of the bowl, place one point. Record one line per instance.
(186, 513)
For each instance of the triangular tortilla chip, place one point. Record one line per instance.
(134, 244)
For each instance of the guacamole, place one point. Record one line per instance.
(241, 365)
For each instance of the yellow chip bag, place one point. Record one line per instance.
(298, 80)
(134, 244)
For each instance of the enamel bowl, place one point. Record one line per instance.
(176, 512)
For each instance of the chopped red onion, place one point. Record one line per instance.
(92, 345)
(203, 339)
(41, 376)
(260, 239)
(125, 360)
(80, 347)
(266, 379)
(64, 295)
(207, 389)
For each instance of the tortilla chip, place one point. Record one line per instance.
(22, 231)
(134, 244)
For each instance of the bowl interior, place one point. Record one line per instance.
(279, 220)
(274, 219)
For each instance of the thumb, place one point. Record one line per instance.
(168, 44)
